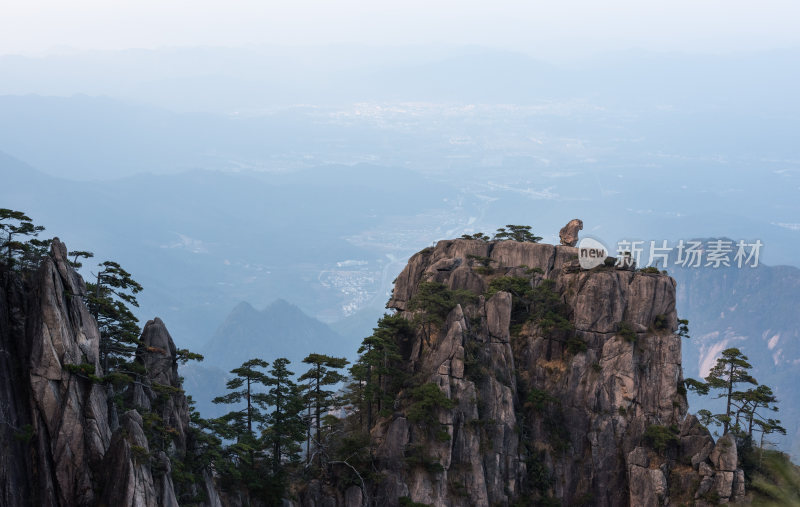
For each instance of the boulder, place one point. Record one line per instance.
(568, 235)
(724, 456)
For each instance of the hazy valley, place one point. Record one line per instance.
(268, 208)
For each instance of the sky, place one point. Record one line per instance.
(551, 29)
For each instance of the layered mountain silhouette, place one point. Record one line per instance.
(279, 330)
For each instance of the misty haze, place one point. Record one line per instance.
(358, 204)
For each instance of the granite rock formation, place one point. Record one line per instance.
(593, 413)
(62, 441)
(568, 235)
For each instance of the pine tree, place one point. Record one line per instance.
(427, 399)
(323, 372)
(205, 451)
(243, 465)
(731, 369)
(767, 426)
(12, 225)
(32, 253)
(79, 254)
(242, 387)
(108, 299)
(378, 372)
(433, 301)
(477, 236)
(517, 233)
(284, 426)
(356, 393)
(750, 404)
(742, 406)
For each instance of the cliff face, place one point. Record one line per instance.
(592, 413)
(54, 422)
(62, 441)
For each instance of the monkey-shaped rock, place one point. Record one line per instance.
(569, 233)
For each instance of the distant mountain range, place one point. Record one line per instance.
(230, 79)
(279, 330)
(206, 240)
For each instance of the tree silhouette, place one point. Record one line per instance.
(241, 387)
(32, 253)
(750, 404)
(731, 369)
(433, 301)
(477, 236)
(378, 373)
(323, 373)
(79, 254)
(12, 225)
(517, 233)
(244, 466)
(284, 426)
(108, 299)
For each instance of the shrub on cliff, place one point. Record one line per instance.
(426, 399)
(433, 301)
(378, 373)
(661, 437)
(539, 303)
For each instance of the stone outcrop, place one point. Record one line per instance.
(568, 235)
(62, 444)
(58, 420)
(146, 472)
(157, 353)
(127, 474)
(593, 413)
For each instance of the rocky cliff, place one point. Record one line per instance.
(63, 442)
(555, 386)
(566, 388)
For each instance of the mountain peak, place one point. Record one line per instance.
(281, 329)
(243, 308)
(281, 304)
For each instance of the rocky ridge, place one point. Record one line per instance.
(589, 413)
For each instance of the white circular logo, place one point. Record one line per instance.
(591, 253)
